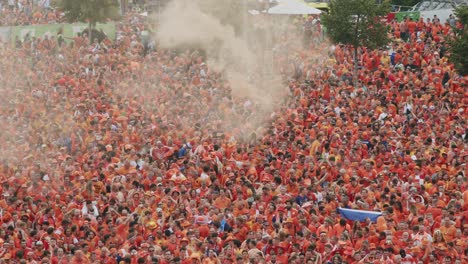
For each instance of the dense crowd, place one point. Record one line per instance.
(28, 12)
(116, 153)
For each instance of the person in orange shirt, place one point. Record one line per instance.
(412, 26)
(465, 199)
(125, 168)
(79, 258)
(222, 201)
(282, 257)
(448, 230)
(326, 227)
(381, 224)
(340, 227)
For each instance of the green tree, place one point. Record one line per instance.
(90, 11)
(228, 12)
(459, 44)
(357, 23)
(405, 2)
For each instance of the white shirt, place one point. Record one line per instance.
(85, 210)
(407, 106)
(204, 176)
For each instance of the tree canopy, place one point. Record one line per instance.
(357, 23)
(90, 11)
(232, 12)
(459, 44)
(405, 2)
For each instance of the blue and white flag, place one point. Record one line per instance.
(359, 215)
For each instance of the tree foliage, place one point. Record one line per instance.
(228, 12)
(462, 14)
(357, 23)
(233, 13)
(90, 11)
(459, 44)
(405, 2)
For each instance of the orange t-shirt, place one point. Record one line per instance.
(222, 202)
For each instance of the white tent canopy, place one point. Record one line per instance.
(293, 7)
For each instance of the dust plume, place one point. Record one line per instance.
(190, 24)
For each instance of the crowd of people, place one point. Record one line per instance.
(28, 12)
(39, 12)
(113, 153)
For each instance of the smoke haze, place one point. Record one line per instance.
(190, 24)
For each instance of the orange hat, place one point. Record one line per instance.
(139, 240)
(284, 245)
(195, 256)
(152, 225)
(441, 204)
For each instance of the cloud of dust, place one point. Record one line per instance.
(187, 24)
(33, 124)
